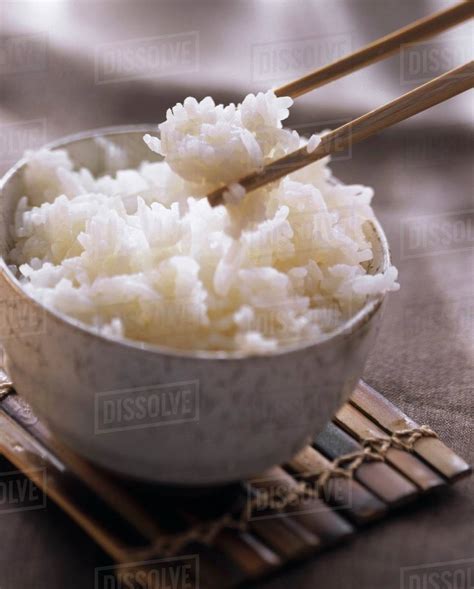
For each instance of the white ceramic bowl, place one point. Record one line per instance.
(222, 417)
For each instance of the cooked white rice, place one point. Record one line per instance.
(141, 254)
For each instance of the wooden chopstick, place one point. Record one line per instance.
(437, 90)
(380, 49)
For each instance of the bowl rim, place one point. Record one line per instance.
(370, 307)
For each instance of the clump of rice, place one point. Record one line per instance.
(141, 254)
(313, 143)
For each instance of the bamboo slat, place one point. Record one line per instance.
(408, 464)
(380, 478)
(347, 495)
(392, 419)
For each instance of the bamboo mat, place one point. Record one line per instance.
(370, 460)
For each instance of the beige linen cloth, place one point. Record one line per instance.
(69, 66)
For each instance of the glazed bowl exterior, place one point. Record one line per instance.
(189, 418)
